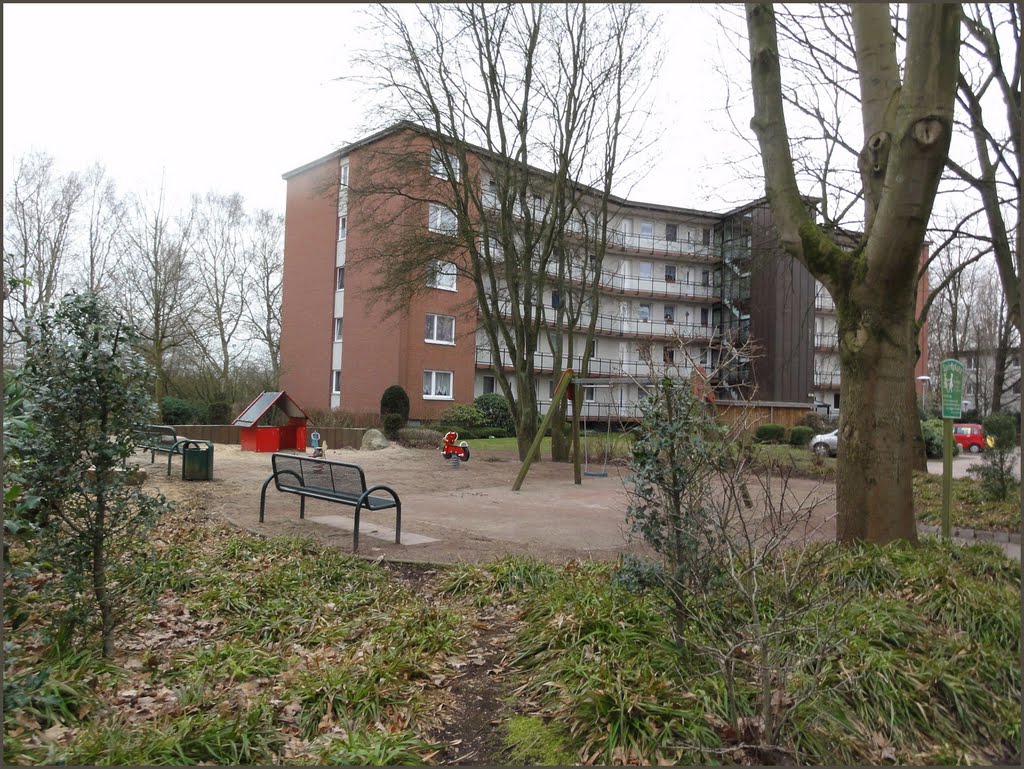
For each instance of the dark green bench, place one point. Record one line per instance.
(332, 481)
(163, 438)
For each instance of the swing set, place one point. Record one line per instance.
(570, 388)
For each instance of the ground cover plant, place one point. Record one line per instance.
(245, 651)
(600, 679)
(972, 507)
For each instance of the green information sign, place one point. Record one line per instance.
(951, 383)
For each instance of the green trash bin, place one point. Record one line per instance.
(197, 461)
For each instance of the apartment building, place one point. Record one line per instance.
(676, 285)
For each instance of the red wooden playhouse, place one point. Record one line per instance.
(267, 437)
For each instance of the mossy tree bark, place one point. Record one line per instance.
(907, 129)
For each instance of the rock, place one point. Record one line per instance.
(373, 440)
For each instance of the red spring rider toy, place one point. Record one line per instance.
(451, 448)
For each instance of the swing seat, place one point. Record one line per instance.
(595, 474)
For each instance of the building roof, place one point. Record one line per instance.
(409, 125)
(263, 403)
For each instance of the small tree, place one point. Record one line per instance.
(395, 401)
(91, 393)
(996, 469)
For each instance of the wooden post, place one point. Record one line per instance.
(560, 390)
(947, 474)
(577, 394)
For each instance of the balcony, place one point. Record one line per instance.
(826, 342)
(826, 380)
(543, 362)
(824, 303)
(619, 326)
(596, 410)
(621, 241)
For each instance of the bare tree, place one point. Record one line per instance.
(264, 257)
(156, 282)
(220, 274)
(907, 117)
(106, 212)
(502, 91)
(39, 230)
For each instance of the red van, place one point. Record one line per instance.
(970, 437)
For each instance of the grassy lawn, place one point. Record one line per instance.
(970, 507)
(247, 650)
(800, 460)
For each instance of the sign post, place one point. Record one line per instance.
(951, 384)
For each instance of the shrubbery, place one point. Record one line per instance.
(393, 423)
(395, 400)
(462, 416)
(770, 433)
(420, 437)
(219, 413)
(996, 468)
(178, 411)
(931, 431)
(495, 411)
(801, 435)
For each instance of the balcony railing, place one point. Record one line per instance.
(544, 362)
(826, 379)
(826, 341)
(617, 325)
(600, 411)
(627, 241)
(824, 303)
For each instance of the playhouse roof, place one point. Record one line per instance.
(263, 403)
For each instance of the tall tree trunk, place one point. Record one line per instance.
(875, 471)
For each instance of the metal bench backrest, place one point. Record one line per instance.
(162, 434)
(322, 475)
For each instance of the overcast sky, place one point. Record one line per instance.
(228, 97)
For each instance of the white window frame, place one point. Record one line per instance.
(670, 273)
(339, 279)
(431, 328)
(670, 312)
(337, 329)
(336, 381)
(492, 381)
(441, 275)
(433, 388)
(705, 317)
(640, 312)
(344, 174)
(646, 270)
(437, 168)
(647, 230)
(589, 394)
(436, 219)
(342, 227)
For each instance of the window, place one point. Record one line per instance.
(670, 273)
(707, 357)
(443, 275)
(337, 329)
(593, 348)
(440, 329)
(670, 355)
(437, 384)
(627, 226)
(551, 389)
(488, 385)
(339, 282)
(437, 165)
(646, 270)
(835, 400)
(342, 228)
(556, 299)
(704, 316)
(705, 278)
(645, 312)
(442, 219)
(588, 394)
(670, 313)
(707, 236)
(336, 381)
(344, 174)
(646, 229)
(670, 232)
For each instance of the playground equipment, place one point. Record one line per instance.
(318, 448)
(269, 437)
(451, 448)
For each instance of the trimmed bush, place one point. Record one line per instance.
(393, 423)
(219, 413)
(496, 412)
(931, 431)
(178, 411)
(800, 435)
(395, 400)
(770, 433)
(473, 433)
(813, 420)
(462, 416)
(420, 438)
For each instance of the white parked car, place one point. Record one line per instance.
(826, 444)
